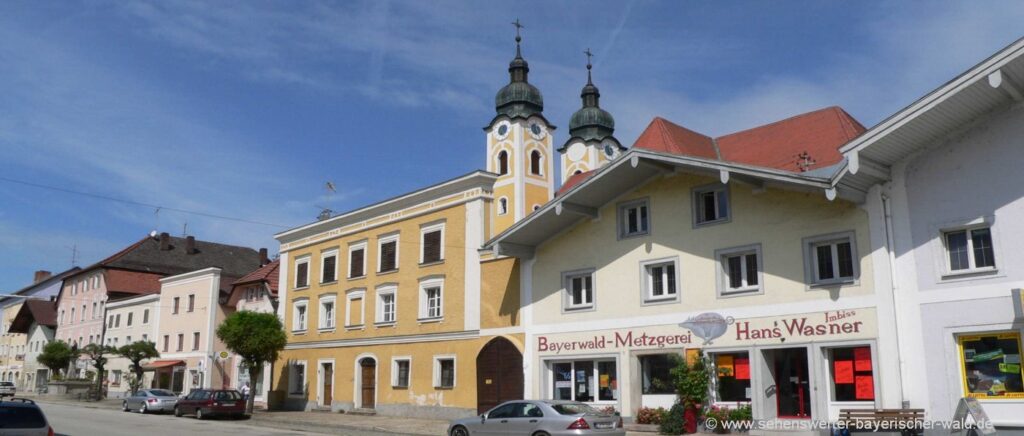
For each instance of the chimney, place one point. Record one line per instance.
(41, 275)
(190, 245)
(263, 257)
(165, 241)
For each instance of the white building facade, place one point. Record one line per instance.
(129, 320)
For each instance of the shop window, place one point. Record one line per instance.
(732, 376)
(579, 291)
(655, 373)
(634, 219)
(992, 366)
(852, 374)
(585, 381)
(710, 205)
(970, 250)
(400, 372)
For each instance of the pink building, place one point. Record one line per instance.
(136, 270)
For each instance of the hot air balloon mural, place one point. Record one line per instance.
(708, 326)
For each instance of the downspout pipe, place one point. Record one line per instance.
(894, 289)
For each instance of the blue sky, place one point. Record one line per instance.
(245, 109)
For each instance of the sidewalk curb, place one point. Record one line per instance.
(262, 417)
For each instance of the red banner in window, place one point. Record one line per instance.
(843, 372)
(865, 387)
(862, 358)
(742, 368)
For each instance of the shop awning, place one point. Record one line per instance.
(162, 364)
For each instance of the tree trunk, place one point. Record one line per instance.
(139, 374)
(99, 383)
(255, 370)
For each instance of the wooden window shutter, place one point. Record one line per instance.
(356, 267)
(432, 246)
(387, 256)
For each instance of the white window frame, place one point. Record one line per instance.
(292, 373)
(394, 371)
(381, 240)
(428, 228)
(647, 283)
(437, 371)
(361, 245)
(567, 277)
(810, 245)
(96, 281)
(722, 255)
(427, 283)
(623, 223)
(381, 291)
(299, 261)
(697, 206)
(322, 318)
(948, 270)
(323, 258)
(349, 297)
(300, 325)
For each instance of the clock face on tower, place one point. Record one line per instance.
(537, 131)
(576, 151)
(609, 150)
(502, 130)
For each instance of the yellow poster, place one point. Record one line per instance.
(604, 380)
(725, 365)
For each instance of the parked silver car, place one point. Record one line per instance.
(7, 389)
(150, 400)
(539, 418)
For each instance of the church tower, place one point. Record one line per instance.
(591, 143)
(519, 148)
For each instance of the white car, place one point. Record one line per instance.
(7, 389)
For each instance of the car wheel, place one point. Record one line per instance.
(460, 431)
(177, 412)
(124, 406)
(143, 409)
(199, 414)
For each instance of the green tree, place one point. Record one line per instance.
(692, 380)
(136, 352)
(257, 338)
(97, 355)
(56, 355)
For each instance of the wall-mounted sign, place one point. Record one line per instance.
(716, 330)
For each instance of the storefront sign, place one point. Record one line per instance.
(721, 330)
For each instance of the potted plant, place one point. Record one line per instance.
(691, 380)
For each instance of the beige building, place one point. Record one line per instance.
(129, 320)
(255, 292)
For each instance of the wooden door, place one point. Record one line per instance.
(368, 382)
(328, 383)
(499, 369)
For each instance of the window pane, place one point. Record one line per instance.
(643, 218)
(733, 265)
(356, 269)
(632, 221)
(432, 246)
(657, 284)
(956, 243)
(329, 265)
(723, 204)
(655, 377)
(583, 386)
(708, 205)
(563, 381)
(751, 269)
(852, 376)
(387, 256)
(447, 373)
(845, 251)
(983, 255)
(577, 290)
(732, 376)
(670, 274)
(992, 364)
(607, 385)
(301, 279)
(824, 262)
(589, 291)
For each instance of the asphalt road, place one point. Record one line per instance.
(81, 421)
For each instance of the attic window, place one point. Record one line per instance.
(711, 205)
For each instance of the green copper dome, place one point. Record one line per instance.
(519, 98)
(590, 121)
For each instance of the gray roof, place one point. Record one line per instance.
(146, 256)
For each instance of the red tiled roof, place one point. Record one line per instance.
(267, 273)
(573, 181)
(132, 282)
(777, 145)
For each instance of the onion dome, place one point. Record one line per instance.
(591, 122)
(519, 98)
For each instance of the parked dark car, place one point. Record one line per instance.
(205, 403)
(22, 417)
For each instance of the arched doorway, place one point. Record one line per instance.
(499, 374)
(367, 383)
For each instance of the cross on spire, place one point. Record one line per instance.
(518, 38)
(589, 55)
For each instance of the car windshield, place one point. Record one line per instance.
(575, 409)
(161, 393)
(21, 417)
(227, 395)
(6, 384)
